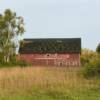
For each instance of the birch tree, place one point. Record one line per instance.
(11, 26)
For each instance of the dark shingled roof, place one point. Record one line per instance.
(50, 45)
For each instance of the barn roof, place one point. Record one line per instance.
(51, 45)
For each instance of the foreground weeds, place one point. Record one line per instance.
(47, 83)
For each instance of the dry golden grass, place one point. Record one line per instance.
(25, 78)
(47, 82)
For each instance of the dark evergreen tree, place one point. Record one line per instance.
(98, 48)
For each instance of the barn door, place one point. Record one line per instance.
(61, 63)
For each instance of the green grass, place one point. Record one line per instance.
(44, 83)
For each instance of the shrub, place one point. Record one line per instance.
(23, 64)
(92, 68)
(87, 55)
(14, 63)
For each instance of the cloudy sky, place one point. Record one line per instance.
(59, 19)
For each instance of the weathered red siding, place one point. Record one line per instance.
(52, 59)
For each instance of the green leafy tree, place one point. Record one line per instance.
(11, 26)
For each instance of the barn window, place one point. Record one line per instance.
(47, 55)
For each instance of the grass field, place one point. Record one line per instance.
(45, 83)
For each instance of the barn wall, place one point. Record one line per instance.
(52, 59)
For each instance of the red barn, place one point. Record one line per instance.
(52, 51)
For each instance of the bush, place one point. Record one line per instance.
(87, 55)
(14, 63)
(92, 68)
(23, 64)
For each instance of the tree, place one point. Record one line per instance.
(87, 55)
(11, 26)
(98, 48)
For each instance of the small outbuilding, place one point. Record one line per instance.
(51, 51)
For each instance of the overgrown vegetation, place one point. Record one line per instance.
(92, 68)
(91, 63)
(45, 83)
(14, 62)
(87, 55)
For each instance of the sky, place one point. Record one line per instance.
(59, 19)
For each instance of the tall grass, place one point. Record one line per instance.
(47, 83)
